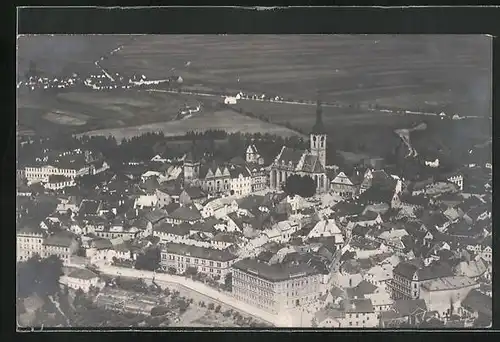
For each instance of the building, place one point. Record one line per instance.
(310, 162)
(327, 228)
(275, 287)
(29, 242)
(241, 180)
(440, 293)
(346, 187)
(210, 261)
(253, 156)
(354, 313)
(80, 278)
(259, 177)
(68, 167)
(58, 182)
(409, 276)
(62, 244)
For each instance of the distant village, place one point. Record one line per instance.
(367, 248)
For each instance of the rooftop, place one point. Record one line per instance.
(199, 252)
(82, 273)
(274, 272)
(186, 213)
(60, 239)
(448, 283)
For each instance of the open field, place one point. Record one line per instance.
(81, 111)
(412, 70)
(224, 120)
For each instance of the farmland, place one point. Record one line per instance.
(217, 120)
(422, 72)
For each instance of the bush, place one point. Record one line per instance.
(159, 311)
(211, 306)
(217, 308)
(227, 313)
(172, 270)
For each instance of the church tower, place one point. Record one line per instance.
(318, 136)
(191, 168)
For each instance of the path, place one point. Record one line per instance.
(59, 309)
(197, 287)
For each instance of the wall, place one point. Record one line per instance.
(436, 300)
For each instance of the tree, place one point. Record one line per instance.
(211, 306)
(149, 261)
(228, 281)
(303, 186)
(217, 309)
(191, 271)
(172, 270)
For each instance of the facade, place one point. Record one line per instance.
(409, 277)
(259, 177)
(58, 182)
(42, 173)
(241, 181)
(29, 242)
(344, 187)
(80, 278)
(210, 261)
(61, 245)
(276, 287)
(253, 156)
(310, 162)
(439, 293)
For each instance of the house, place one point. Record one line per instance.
(368, 219)
(79, 279)
(213, 262)
(89, 208)
(344, 187)
(478, 213)
(29, 241)
(477, 304)
(62, 244)
(379, 275)
(363, 290)
(192, 194)
(412, 311)
(487, 250)
(359, 313)
(168, 192)
(185, 213)
(327, 228)
(440, 293)
(252, 155)
(168, 232)
(408, 277)
(473, 269)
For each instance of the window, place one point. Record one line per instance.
(350, 324)
(218, 264)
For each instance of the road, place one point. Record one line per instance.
(199, 288)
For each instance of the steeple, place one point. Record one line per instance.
(319, 127)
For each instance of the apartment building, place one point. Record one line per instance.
(29, 242)
(62, 244)
(210, 261)
(275, 287)
(42, 173)
(58, 182)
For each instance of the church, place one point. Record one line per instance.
(310, 162)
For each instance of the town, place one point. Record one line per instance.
(263, 231)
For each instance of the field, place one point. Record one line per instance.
(434, 73)
(81, 111)
(224, 120)
(423, 72)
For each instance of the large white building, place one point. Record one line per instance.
(210, 261)
(29, 242)
(275, 287)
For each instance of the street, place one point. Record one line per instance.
(197, 287)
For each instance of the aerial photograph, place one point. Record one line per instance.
(254, 181)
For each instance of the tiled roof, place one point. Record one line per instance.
(88, 207)
(236, 171)
(82, 273)
(409, 307)
(168, 228)
(199, 252)
(61, 239)
(478, 302)
(312, 164)
(194, 192)
(358, 305)
(101, 244)
(290, 155)
(58, 179)
(405, 269)
(275, 272)
(186, 213)
(362, 289)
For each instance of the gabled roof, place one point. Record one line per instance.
(409, 307)
(168, 228)
(186, 213)
(200, 252)
(88, 207)
(362, 289)
(363, 305)
(289, 156)
(312, 164)
(60, 239)
(171, 207)
(478, 302)
(194, 192)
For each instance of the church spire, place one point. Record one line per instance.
(319, 127)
